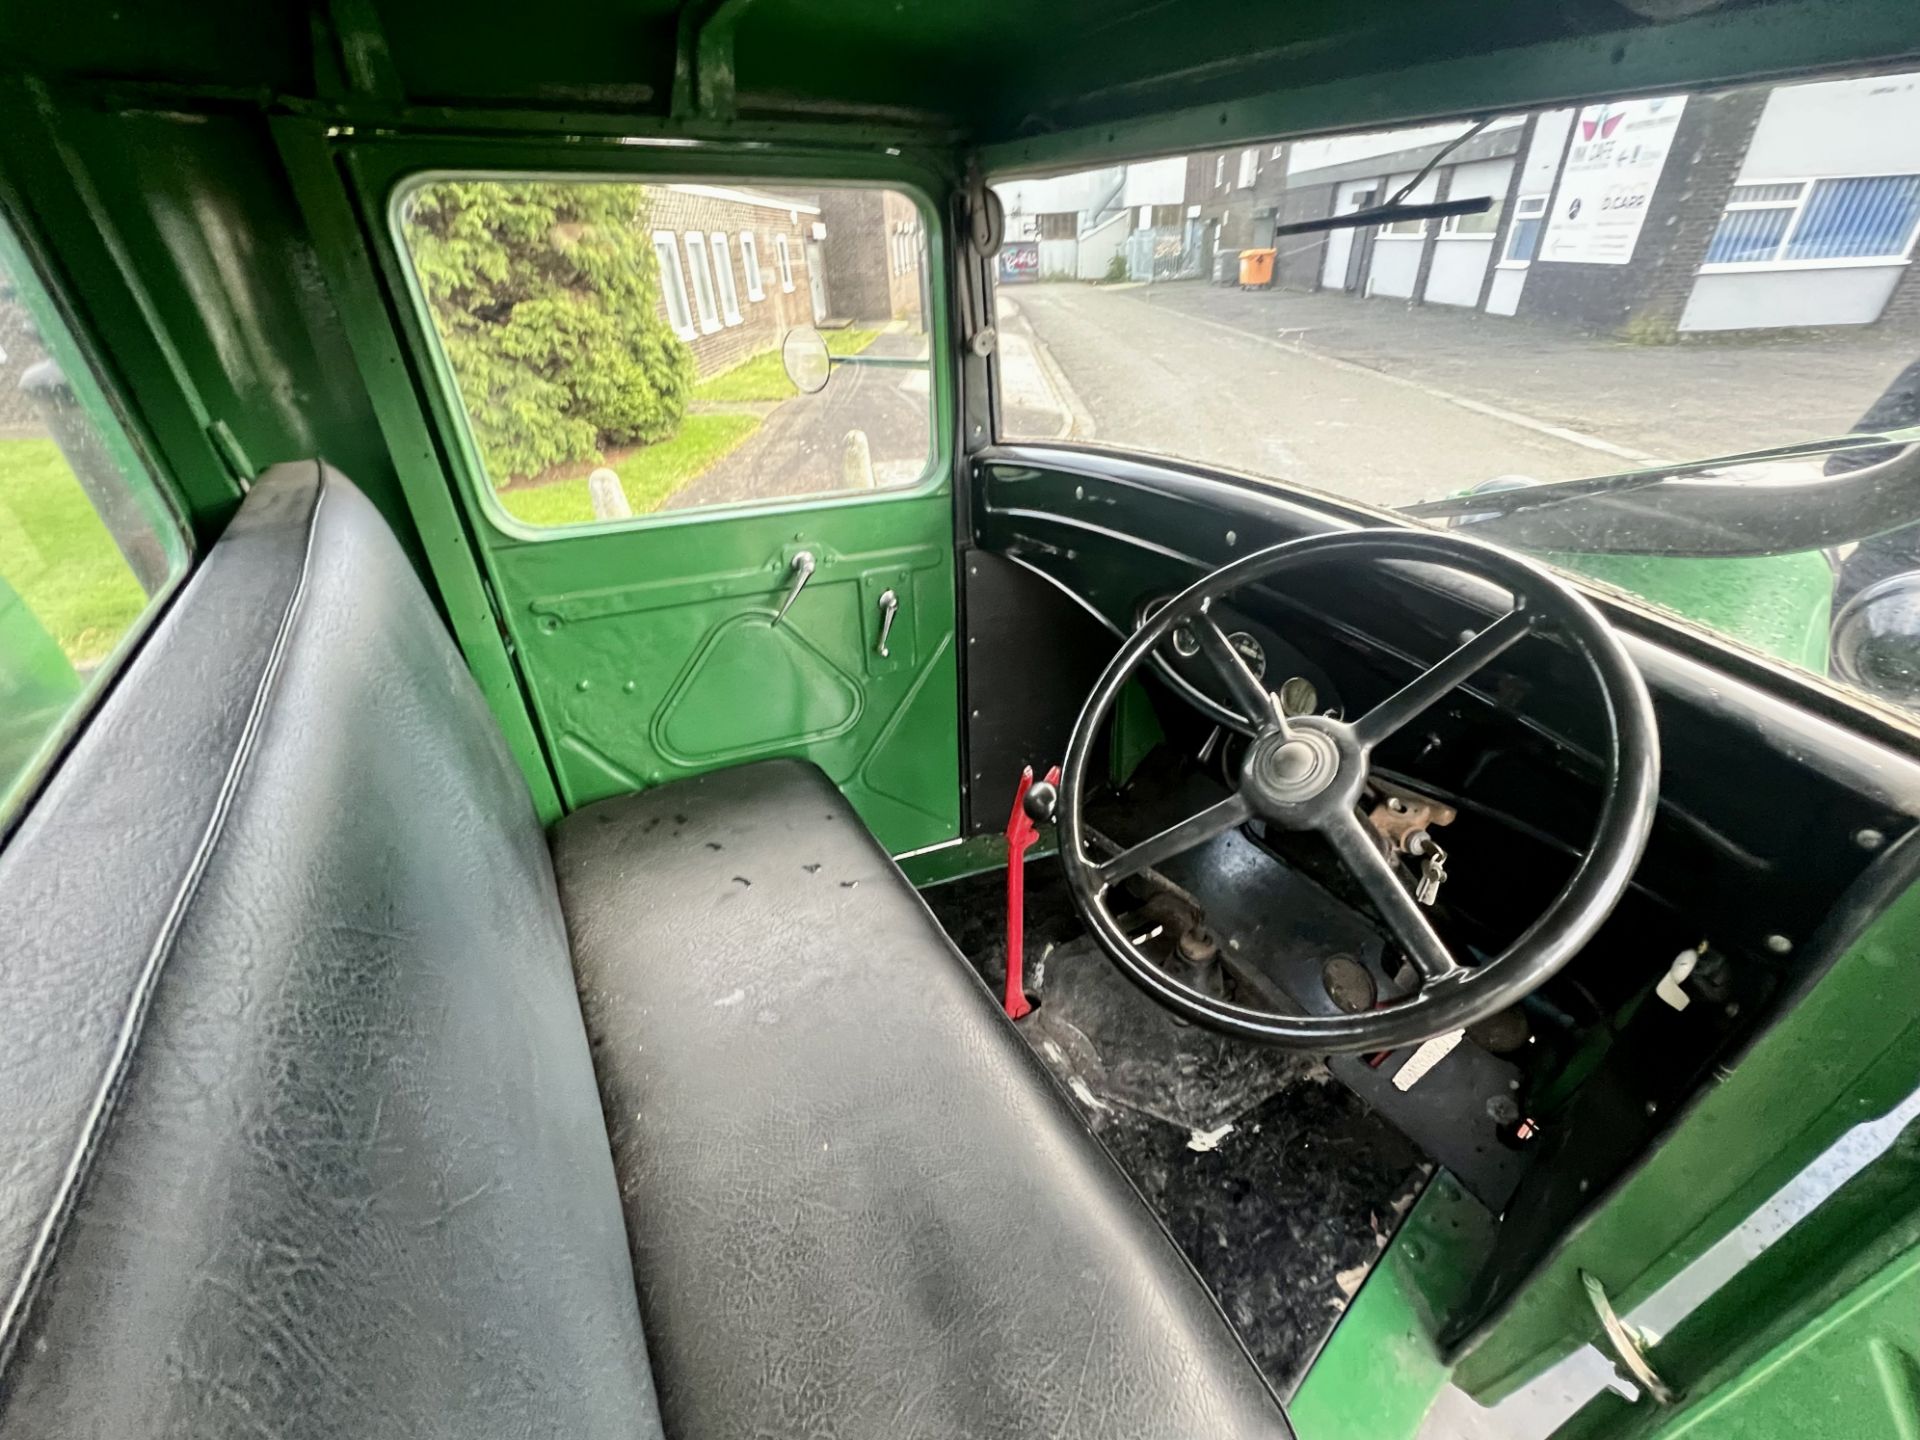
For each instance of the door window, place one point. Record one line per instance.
(88, 547)
(608, 371)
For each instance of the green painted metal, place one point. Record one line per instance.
(1847, 1051)
(1133, 734)
(963, 859)
(1818, 1338)
(1779, 604)
(309, 154)
(646, 646)
(1381, 1369)
(1404, 73)
(650, 653)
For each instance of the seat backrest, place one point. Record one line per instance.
(300, 1132)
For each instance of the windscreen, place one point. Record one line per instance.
(1669, 342)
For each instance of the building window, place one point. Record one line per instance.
(702, 283)
(1523, 239)
(1487, 222)
(1410, 229)
(1219, 171)
(1058, 225)
(785, 260)
(673, 284)
(1868, 219)
(723, 275)
(1249, 168)
(750, 262)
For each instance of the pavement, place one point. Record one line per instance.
(803, 444)
(1390, 403)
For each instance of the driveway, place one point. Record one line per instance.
(1389, 403)
(802, 448)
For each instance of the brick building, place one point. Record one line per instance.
(737, 268)
(1745, 210)
(871, 255)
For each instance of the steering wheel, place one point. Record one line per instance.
(1307, 772)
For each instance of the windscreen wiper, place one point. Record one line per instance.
(1394, 210)
(1640, 512)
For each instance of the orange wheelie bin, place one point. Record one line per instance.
(1256, 268)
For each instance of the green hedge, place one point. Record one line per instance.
(547, 300)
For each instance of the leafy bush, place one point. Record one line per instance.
(547, 300)
(1116, 267)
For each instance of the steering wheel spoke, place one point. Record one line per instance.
(1353, 842)
(1430, 686)
(1250, 696)
(1176, 839)
(1309, 774)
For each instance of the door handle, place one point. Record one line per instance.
(801, 571)
(889, 607)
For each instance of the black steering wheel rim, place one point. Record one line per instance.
(1279, 775)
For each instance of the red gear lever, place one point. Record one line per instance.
(1021, 833)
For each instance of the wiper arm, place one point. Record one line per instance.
(1386, 215)
(1559, 492)
(1708, 514)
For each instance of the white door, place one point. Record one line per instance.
(817, 281)
(1333, 270)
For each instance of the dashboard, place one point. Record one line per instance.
(1787, 818)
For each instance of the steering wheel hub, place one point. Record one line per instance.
(1284, 770)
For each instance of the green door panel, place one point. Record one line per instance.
(1818, 1338)
(651, 653)
(644, 651)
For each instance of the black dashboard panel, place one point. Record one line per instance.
(1769, 809)
(1779, 833)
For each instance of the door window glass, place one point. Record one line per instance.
(1683, 287)
(87, 545)
(607, 368)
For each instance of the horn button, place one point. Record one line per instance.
(1283, 772)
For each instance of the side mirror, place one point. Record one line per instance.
(804, 356)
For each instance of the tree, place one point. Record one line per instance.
(547, 300)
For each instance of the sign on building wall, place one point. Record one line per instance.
(1606, 186)
(1019, 260)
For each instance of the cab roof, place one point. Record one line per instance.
(1031, 82)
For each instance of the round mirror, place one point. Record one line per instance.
(804, 354)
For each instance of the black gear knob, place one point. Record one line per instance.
(1040, 801)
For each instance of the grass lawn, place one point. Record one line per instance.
(58, 556)
(764, 378)
(648, 475)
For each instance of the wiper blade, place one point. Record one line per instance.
(1386, 215)
(1559, 492)
(1708, 513)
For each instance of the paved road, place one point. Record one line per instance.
(1152, 377)
(801, 448)
(1379, 402)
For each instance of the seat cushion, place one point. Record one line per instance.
(300, 1134)
(858, 1205)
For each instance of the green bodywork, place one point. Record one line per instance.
(207, 185)
(1781, 605)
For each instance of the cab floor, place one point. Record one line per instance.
(1279, 1183)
